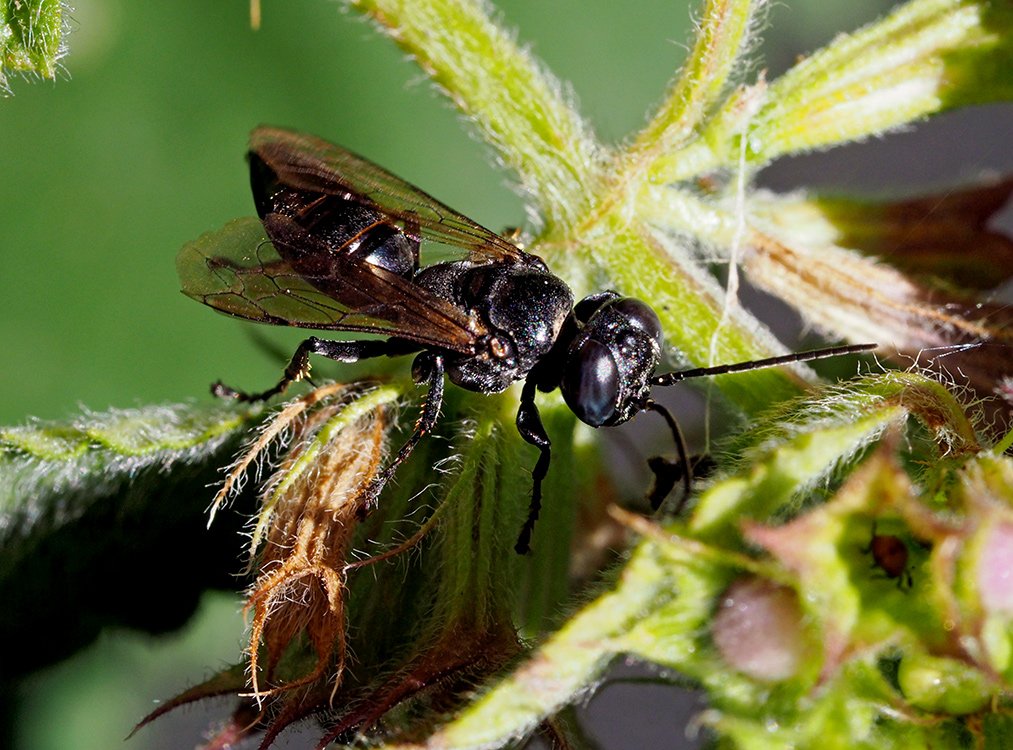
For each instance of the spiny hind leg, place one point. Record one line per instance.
(428, 368)
(299, 367)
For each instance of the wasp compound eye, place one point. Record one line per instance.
(639, 315)
(588, 306)
(591, 382)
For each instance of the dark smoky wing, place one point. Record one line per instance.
(237, 271)
(308, 163)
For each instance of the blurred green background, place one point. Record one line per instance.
(139, 148)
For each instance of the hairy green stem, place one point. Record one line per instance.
(517, 105)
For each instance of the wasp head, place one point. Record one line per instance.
(609, 360)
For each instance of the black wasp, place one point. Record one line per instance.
(343, 255)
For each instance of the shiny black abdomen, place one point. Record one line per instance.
(334, 223)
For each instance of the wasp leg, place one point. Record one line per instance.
(428, 367)
(299, 367)
(529, 425)
(665, 475)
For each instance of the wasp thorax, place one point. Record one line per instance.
(522, 306)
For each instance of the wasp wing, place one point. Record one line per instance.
(237, 270)
(305, 162)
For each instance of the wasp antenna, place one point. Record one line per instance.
(671, 378)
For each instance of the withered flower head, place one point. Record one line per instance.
(311, 508)
(911, 275)
(314, 513)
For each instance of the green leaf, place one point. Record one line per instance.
(560, 669)
(926, 57)
(791, 450)
(32, 37)
(998, 731)
(943, 685)
(724, 36)
(98, 512)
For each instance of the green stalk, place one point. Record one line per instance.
(518, 107)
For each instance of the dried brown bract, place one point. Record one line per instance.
(912, 275)
(311, 509)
